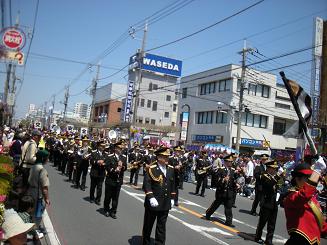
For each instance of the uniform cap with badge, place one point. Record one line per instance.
(163, 152)
(272, 163)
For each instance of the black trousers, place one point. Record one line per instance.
(181, 180)
(177, 193)
(270, 216)
(228, 204)
(111, 195)
(257, 198)
(202, 180)
(149, 217)
(63, 164)
(134, 175)
(81, 171)
(25, 175)
(96, 183)
(70, 169)
(297, 239)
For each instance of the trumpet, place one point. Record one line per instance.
(203, 170)
(133, 165)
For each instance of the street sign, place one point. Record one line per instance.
(37, 125)
(11, 99)
(13, 38)
(83, 131)
(13, 56)
(70, 128)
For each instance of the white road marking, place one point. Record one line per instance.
(198, 229)
(54, 240)
(279, 239)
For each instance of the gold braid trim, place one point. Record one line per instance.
(157, 179)
(317, 213)
(315, 240)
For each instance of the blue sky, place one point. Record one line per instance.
(80, 30)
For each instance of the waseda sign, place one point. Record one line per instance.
(13, 38)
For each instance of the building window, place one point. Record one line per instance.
(205, 117)
(174, 107)
(150, 86)
(176, 94)
(279, 127)
(224, 85)
(238, 86)
(259, 90)
(166, 114)
(283, 106)
(154, 106)
(149, 104)
(184, 93)
(221, 117)
(142, 102)
(168, 98)
(140, 120)
(147, 120)
(208, 88)
(155, 86)
(254, 120)
(153, 121)
(173, 124)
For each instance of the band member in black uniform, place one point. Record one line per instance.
(84, 154)
(226, 187)
(202, 166)
(71, 161)
(148, 160)
(57, 153)
(175, 161)
(258, 171)
(115, 167)
(64, 159)
(97, 174)
(159, 194)
(136, 160)
(268, 203)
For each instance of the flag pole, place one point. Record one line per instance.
(298, 112)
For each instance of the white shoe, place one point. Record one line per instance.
(39, 234)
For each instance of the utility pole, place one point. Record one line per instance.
(242, 88)
(138, 80)
(53, 104)
(93, 92)
(2, 14)
(66, 102)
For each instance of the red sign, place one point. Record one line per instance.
(13, 38)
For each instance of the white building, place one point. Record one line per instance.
(213, 98)
(80, 110)
(32, 109)
(157, 106)
(111, 91)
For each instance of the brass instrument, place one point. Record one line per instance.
(133, 165)
(203, 170)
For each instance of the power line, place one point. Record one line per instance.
(206, 28)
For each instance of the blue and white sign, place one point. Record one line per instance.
(208, 138)
(251, 142)
(129, 101)
(158, 64)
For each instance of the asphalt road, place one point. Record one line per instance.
(77, 221)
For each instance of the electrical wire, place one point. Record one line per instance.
(205, 28)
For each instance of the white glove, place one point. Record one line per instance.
(319, 166)
(280, 171)
(153, 202)
(172, 202)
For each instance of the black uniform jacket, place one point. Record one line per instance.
(226, 189)
(258, 171)
(98, 170)
(159, 186)
(115, 178)
(269, 191)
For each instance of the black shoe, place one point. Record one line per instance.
(202, 195)
(176, 204)
(195, 193)
(91, 201)
(260, 241)
(107, 214)
(83, 188)
(112, 215)
(254, 213)
(207, 217)
(234, 206)
(229, 224)
(97, 203)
